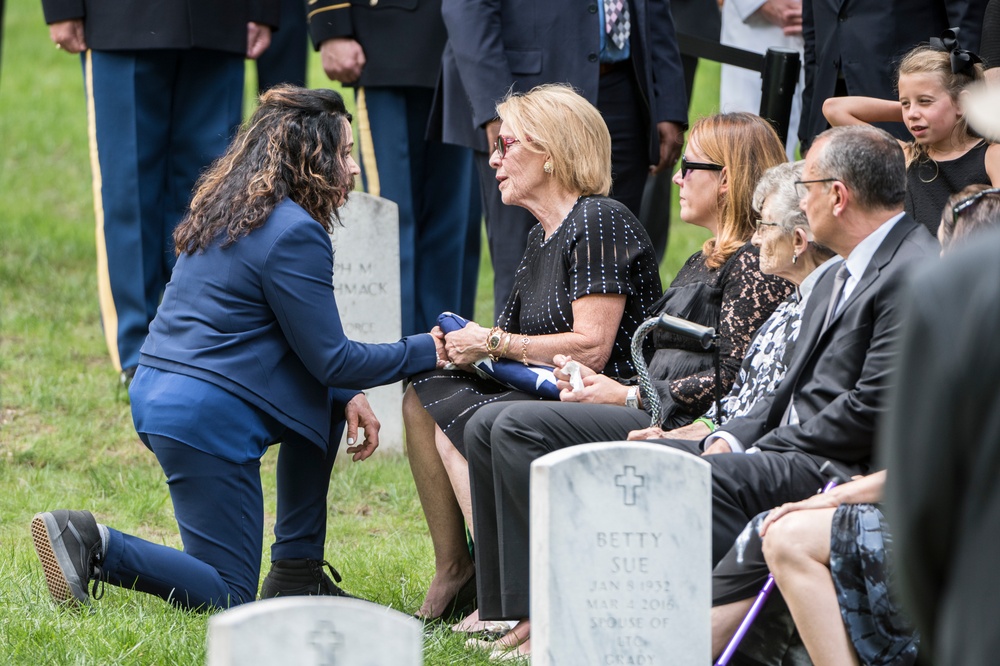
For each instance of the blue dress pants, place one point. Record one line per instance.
(156, 119)
(219, 508)
(433, 184)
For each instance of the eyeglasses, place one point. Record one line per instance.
(802, 190)
(758, 223)
(503, 143)
(968, 202)
(688, 167)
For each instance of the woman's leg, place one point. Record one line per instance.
(218, 506)
(457, 468)
(453, 565)
(797, 549)
(726, 619)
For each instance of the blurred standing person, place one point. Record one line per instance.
(164, 86)
(699, 18)
(285, 61)
(608, 50)
(852, 47)
(755, 26)
(372, 47)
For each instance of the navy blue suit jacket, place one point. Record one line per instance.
(260, 320)
(839, 375)
(498, 45)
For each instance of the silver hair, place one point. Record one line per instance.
(777, 186)
(868, 160)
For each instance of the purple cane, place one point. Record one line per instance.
(828, 469)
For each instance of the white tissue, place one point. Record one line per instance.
(572, 368)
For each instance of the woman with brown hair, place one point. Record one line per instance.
(246, 350)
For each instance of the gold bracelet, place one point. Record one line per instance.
(506, 344)
(524, 350)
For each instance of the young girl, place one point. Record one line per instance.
(945, 154)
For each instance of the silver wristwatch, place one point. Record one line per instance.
(632, 398)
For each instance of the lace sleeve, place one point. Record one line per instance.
(748, 299)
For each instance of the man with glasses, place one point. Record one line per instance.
(827, 405)
(606, 49)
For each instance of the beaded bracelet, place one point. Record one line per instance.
(524, 350)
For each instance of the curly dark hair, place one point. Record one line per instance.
(292, 147)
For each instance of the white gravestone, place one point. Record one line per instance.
(366, 284)
(621, 558)
(314, 631)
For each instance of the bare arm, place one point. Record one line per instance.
(993, 164)
(596, 318)
(866, 490)
(841, 111)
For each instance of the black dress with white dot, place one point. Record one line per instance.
(600, 248)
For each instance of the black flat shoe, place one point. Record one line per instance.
(463, 603)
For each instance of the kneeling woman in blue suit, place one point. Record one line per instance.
(246, 350)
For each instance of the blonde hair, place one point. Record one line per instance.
(554, 119)
(925, 59)
(747, 146)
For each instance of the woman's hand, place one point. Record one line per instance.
(358, 413)
(560, 361)
(821, 501)
(597, 389)
(466, 345)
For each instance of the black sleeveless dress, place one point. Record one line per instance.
(929, 183)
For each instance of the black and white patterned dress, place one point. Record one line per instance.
(600, 248)
(767, 358)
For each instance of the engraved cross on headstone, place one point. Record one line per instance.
(325, 639)
(628, 482)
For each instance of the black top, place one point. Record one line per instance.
(929, 183)
(990, 45)
(600, 248)
(735, 299)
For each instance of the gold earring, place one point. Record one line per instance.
(547, 167)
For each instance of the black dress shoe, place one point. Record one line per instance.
(463, 603)
(290, 578)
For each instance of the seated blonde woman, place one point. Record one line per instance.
(587, 278)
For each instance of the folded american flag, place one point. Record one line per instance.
(537, 379)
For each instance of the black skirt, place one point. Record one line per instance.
(451, 397)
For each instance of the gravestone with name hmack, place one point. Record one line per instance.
(366, 283)
(314, 631)
(621, 559)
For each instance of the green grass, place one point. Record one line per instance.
(66, 437)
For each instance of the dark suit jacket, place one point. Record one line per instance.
(942, 450)
(116, 25)
(402, 39)
(865, 39)
(259, 319)
(838, 377)
(498, 45)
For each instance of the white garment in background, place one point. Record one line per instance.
(739, 88)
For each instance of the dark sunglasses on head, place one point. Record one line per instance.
(688, 167)
(969, 202)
